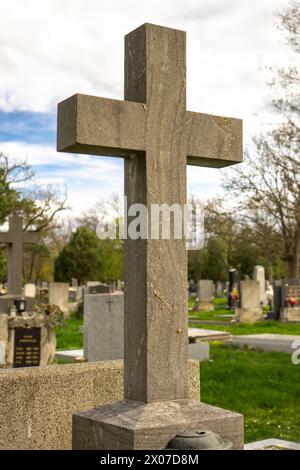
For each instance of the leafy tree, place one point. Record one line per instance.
(80, 258)
(87, 258)
(214, 260)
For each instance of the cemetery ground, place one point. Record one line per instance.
(263, 386)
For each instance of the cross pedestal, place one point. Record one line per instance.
(157, 137)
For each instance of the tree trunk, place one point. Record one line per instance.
(293, 262)
(270, 272)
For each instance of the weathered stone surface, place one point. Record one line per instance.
(134, 425)
(37, 403)
(15, 238)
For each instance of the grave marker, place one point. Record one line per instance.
(15, 238)
(157, 137)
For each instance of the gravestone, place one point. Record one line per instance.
(73, 294)
(92, 283)
(30, 290)
(250, 310)
(157, 137)
(259, 275)
(204, 300)
(99, 288)
(103, 327)
(27, 340)
(290, 298)
(27, 347)
(74, 282)
(103, 330)
(15, 238)
(58, 294)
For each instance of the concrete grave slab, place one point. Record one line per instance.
(267, 342)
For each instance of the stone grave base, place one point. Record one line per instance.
(204, 305)
(125, 425)
(7, 301)
(290, 314)
(267, 342)
(248, 315)
(273, 444)
(198, 351)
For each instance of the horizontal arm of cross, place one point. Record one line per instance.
(30, 237)
(213, 141)
(100, 126)
(5, 237)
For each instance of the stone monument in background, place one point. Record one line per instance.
(250, 310)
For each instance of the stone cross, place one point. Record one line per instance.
(16, 238)
(157, 137)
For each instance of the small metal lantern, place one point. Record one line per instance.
(199, 440)
(20, 305)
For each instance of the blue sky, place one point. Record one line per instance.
(52, 49)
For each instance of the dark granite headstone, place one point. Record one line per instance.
(27, 347)
(99, 289)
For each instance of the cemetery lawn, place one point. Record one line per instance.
(70, 336)
(263, 386)
(269, 326)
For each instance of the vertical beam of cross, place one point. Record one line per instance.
(156, 270)
(15, 238)
(157, 137)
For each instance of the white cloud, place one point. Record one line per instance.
(51, 49)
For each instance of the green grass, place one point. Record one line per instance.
(219, 309)
(263, 386)
(70, 336)
(270, 326)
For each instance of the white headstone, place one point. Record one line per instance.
(2, 352)
(30, 290)
(59, 295)
(250, 310)
(259, 275)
